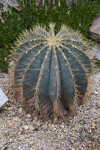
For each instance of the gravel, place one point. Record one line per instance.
(19, 131)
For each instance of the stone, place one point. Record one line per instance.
(8, 133)
(28, 116)
(77, 143)
(20, 110)
(90, 138)
(94, 31)
(38, 124)
(13, 146)
(10, 140)
(36, 129)
(62, 125)
(96, 92)
(82, 137)
(69, 140)
(98, 140)
(44, 130)
(12, 3)
(7, 113)
(73, 148)
(20, 124)
(95, 51)
(24, 147)
(26, 127)
(18, 8)
(70, 124)
(2, 75)
(15, 119)
(31, 128)
(96, 116)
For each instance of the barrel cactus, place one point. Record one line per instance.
(51, 71)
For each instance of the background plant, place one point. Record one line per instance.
(79, 17)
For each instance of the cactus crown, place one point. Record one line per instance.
(51, 70)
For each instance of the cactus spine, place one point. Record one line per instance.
(51, 71)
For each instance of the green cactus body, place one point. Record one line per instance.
(51, 69)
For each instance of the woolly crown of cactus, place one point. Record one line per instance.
(51, 71)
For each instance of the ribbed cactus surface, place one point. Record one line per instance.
(51, 70)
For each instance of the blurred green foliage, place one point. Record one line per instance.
(79, 17)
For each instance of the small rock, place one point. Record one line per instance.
(10, 140)
(70, 124)
(28, 116)
(20, 124)
(31, 128)
(54, 129)
(15, 119)
(19, 147)
(6, 147)
(13, 146)
(95, 28)
(36, 129)
(96, 92)
(7, 113)
(96, 116)
(44, 130)
(18, 8)
(91, 105)
(38, 124)
(82, 137)
(77, 143)
(8, 133)
(55, 120)
(2, 75)
(98, 140)
(26, 127)
(52, 125)
(62, 125)
(24, 147)
(97, 106)
(73, 149)
(31, 142)
(69, 139)
(20, 110)
(90, 138)
(95, 53)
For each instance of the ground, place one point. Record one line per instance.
(80, 132)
